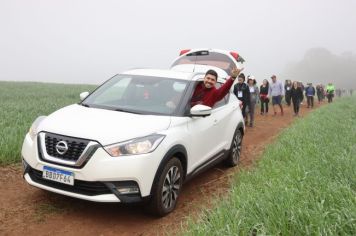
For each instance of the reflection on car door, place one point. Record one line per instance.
(208, 134)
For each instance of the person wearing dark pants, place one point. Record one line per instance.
(301, 86)
(264, 97)
(330, 90)
(296, 96)
(310, 93)
(254, 98)
(242, 93)
(319, 93)
(287, 88)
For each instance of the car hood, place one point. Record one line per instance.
(105, 126)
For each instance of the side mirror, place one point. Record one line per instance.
(200, 110)
(83, 95)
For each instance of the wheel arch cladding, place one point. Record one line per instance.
(240, 126)
(177, 151)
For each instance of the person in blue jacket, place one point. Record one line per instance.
(310, 93)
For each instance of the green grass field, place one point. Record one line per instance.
(304, 184)
(21, 103)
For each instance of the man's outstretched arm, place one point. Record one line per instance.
(224, 89)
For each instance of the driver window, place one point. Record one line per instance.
(220, 103)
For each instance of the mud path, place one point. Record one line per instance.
(31, 211)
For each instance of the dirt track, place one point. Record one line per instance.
(31, 211)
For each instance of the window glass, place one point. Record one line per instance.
(140, 94)
(223, 101)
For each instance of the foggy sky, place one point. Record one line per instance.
(86, 41)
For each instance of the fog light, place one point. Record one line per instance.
(128, 190)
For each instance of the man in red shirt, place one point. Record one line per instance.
(206, 94)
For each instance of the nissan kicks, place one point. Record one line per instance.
(135, 138)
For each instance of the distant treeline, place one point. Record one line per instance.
(321, 66)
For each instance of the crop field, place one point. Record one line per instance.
(304, 184)
(21, 103)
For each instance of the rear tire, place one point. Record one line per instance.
(235, 149)
(166, 191)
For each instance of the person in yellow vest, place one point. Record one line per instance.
(330, 90)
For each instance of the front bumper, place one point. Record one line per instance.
(90, 191)
(101, 175)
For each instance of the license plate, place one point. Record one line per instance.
(60, 176)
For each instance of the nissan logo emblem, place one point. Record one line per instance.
(62, 147)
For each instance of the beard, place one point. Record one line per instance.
(208, 85)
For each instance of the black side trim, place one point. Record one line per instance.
(208, 164)
(175, 149)
(241, 126)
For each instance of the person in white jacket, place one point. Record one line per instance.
(254, 98)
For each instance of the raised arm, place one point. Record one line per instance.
(224, 89)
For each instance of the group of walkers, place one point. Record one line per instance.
(342, 92)
(250, 94)
(294, 92)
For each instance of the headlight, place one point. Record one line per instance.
(33, 130)
(135, 146)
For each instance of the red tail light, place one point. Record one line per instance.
(184, 52)
(235, 55)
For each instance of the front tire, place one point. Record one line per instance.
(235, 149)
(166, 191)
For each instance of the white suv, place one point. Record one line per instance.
(134, 138)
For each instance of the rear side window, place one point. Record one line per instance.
(223, 101)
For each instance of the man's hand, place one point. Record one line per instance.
(235, 72)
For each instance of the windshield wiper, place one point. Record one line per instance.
(84, 105)
(128, 111)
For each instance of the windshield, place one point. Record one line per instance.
(138, 94)
(207, 58)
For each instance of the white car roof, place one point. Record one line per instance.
(163, 73)
(199, 68)
(210, 50)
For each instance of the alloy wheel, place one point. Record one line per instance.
(171, 187)
(236, 147)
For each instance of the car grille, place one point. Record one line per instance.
(80, 187)
(76, 146)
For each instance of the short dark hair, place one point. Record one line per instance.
(213, 73)
(242, 76)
